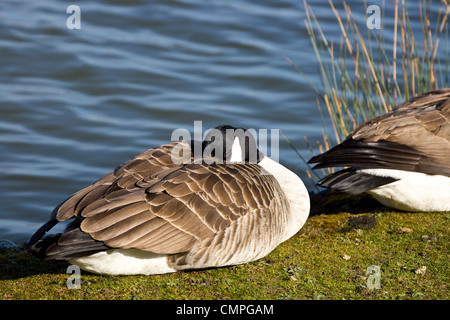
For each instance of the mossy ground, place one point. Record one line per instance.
(327, 259)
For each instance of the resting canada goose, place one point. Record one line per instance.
(401, 158)
(155, 214)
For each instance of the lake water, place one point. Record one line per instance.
(75, 103)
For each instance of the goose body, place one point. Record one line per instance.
(154, 214)
(401, 158)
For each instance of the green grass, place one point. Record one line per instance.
(320, 262)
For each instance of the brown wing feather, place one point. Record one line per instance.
(170, 216)
(152, 164)
(415, 137)
(153, 204)
(149, 164)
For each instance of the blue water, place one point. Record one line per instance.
(76, 103)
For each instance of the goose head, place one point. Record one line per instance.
(229, 144)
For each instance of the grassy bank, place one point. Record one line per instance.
(327, 259)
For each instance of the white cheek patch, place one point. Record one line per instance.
(236, 151)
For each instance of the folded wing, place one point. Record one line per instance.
(153, 204)
(413, 137)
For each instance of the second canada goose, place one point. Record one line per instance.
(154, 215)
(401, 158)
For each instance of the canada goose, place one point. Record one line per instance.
(155, 215)
(401, 158)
